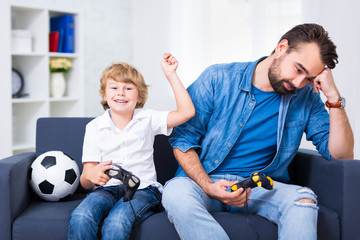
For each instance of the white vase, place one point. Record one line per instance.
(57, 84)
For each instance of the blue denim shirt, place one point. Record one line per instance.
(223, 101)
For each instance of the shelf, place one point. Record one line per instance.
(35, 72)
(28, 100)
(64, 99)
(65, 109)
(31, 54)
(67, 55)
(24, 119)
(34, 20)
(31, 59)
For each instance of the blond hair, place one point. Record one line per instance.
(124, 72)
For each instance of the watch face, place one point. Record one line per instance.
(17, 83)
(343, 102)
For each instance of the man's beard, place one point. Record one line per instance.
(276, 83)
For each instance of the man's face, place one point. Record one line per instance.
(295, 69)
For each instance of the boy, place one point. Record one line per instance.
(124, 135)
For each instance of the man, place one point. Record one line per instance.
(250, 117)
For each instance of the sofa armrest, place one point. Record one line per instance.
(15, 191)
(336, 183)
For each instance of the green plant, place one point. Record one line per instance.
(59, 64)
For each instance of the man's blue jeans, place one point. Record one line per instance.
(189, 208)
(107, 202)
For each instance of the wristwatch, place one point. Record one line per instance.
(340, 104)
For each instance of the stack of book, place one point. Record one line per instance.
(61, 37)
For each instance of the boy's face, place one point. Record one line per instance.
(121, 97)
(296, 69)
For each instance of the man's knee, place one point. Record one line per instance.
(171, 192)
(179, 194)
(307, 197)
(306, 200)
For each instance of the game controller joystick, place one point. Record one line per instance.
(130, 181)
(256, 180)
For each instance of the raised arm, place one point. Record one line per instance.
(341, 138)
(185, 107)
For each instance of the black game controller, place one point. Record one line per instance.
(256, 180)
(130, 181)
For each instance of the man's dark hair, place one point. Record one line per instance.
(313, 33)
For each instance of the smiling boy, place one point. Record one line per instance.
(124, 135)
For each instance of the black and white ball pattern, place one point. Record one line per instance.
(54, 176)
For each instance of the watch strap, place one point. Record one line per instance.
(338, 104)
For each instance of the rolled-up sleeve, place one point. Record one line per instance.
(317, 128)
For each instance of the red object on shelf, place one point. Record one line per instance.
(53, 41)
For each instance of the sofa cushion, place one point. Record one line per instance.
(328, 224)
(49, 220)
(45, 220)
(235, 224)
(62, 134)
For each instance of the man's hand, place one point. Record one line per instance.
(325, 82)
(341, 138)
(191, 164)
(218, 191)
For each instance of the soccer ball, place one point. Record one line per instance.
(54, 176)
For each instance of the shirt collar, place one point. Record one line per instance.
(246, 83)
(106, 122)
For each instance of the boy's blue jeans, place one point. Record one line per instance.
(107, 202)
(189, 208)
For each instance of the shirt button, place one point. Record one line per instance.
(229, 145)
(250, 104)
(240, 124)
(216, 161)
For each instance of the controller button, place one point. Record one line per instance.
(271, 181)
(255, 178)
(234, 188)
(259, 184)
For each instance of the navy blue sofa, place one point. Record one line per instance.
(24, 216)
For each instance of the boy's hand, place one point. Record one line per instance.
(95, 172)
(169, 64)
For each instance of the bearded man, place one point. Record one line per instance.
(250, 117)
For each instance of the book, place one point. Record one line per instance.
(53, 41)
(65, 26)
(61, 40)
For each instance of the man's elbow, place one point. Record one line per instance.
(349, 155)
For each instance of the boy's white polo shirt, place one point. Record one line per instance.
(131, 148)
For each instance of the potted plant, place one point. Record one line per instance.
(58, 68)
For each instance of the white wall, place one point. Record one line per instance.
(203, 32)
(151, 38)
(341, 19)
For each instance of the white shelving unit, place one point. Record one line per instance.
(19, 115)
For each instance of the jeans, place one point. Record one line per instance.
(193, 220)
(107, 202)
